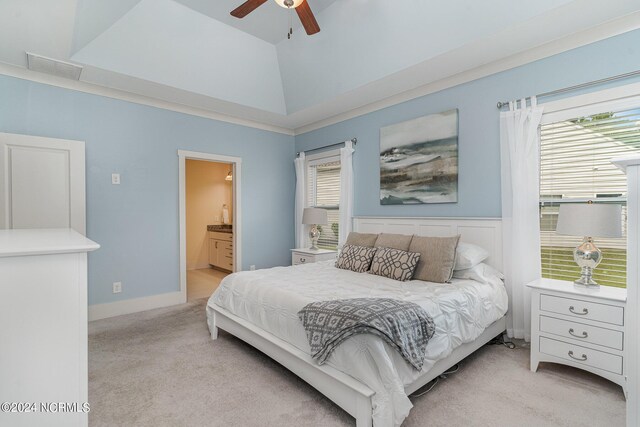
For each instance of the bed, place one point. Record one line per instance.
(364, 375)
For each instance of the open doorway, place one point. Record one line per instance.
(209, 187)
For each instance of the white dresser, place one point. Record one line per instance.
(43, 338)
(584, 328)
(306, 256)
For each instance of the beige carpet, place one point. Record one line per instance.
(160, 368)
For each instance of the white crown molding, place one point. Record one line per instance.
(608, 29)
(80, 86)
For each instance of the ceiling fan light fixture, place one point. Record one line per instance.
(289, 4)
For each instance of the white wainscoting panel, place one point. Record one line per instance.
(484, 232)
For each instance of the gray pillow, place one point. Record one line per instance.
(355, 258)
(394, 241)
(361, 239)
(394, 264)
(437, 257)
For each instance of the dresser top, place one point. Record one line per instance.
(566, 287)
(25, 242)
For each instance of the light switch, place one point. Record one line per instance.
(115, 178)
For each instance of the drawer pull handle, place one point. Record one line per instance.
(584, 334)
(303, 260)
(573, 310)
(582, 359)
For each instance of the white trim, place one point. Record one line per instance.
(94, 89)
(236, 163)
(609, 29)
(118, 308)
(606, 30)
(614, 99)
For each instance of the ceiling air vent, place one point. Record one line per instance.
(52, 66)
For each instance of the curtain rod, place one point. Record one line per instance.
(354, 140)
(580, 86)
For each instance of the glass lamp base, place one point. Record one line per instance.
(587, 256)
(586, 282)
(314, 234)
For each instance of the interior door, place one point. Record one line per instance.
(42, 183)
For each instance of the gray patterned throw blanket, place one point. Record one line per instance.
(405, 326)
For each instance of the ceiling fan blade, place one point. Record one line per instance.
(246, 8)
(306, 17)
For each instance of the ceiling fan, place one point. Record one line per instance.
(301, 6)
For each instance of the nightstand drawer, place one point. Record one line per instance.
(297, 259)
(579, 331)
(582, 355)
(583, 309)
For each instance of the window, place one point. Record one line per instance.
(323, 191)
(575, 167)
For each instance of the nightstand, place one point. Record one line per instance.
(306, 256)
(579, 327)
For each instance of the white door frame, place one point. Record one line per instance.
(236, 163)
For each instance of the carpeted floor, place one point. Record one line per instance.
(160, 368)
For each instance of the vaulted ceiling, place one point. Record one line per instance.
(192, 52)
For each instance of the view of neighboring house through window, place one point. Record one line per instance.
(575, 167)
(323, 191)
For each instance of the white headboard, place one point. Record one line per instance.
(484, 232)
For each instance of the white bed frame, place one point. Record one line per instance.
(344, 390)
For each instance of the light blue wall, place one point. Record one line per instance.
(479, 128)
(137, 222)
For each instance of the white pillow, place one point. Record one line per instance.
(482, 273)
(469, 255)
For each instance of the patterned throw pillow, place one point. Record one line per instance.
(355, 258)
(394, 264)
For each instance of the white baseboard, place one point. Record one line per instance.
(112, 309)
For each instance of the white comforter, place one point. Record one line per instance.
(271, 299)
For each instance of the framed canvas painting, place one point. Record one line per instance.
(419, 160)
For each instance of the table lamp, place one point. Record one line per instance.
(589, 220)
(314, 217)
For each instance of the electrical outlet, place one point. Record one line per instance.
(117, 287)
(252, 267)
(115, 178)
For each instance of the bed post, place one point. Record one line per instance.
(364, 412)
(211, 322)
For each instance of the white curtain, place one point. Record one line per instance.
(520, 163)
(346, 192)
(300, 200)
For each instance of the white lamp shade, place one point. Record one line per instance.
(590, 220)
(296, 3)
(313, 216)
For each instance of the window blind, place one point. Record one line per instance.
(575, 167)
(323, 191)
